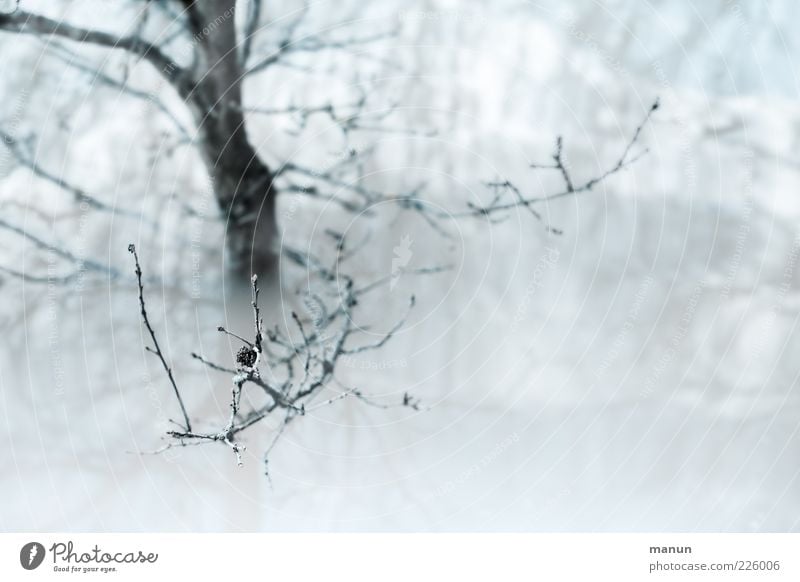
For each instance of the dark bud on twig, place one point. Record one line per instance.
(246, 357)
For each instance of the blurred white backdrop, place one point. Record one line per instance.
(635, 373)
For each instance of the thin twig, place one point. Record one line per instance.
(157, 349)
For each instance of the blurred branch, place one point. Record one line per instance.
(288, 45)
(81, 262)
(23, 22)
(98, 77)
(80, 196)
(250, 29)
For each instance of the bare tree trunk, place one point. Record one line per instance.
(211, 87)
(243, 184)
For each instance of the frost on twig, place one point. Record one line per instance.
(289, 369)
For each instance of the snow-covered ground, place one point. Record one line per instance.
(635, 373)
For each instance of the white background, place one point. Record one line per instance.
(644, 380)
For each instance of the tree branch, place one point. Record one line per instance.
(157, 350)
(321, 347)
(28, 23)
(500, 204)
